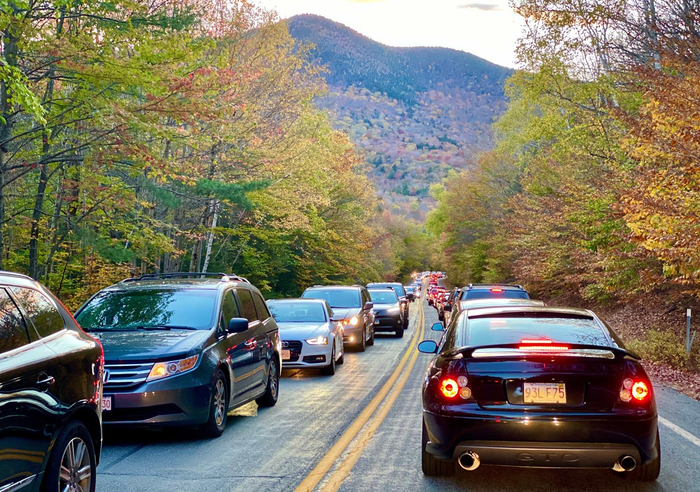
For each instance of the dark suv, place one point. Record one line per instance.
(50, 392)
(184, 349)
(352, 305)
(493, 291)
(400, 292)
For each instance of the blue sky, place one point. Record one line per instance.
(486, 28)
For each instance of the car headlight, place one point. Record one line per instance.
(162, 370)
(319, 340)
(352, 321)
(394, 310)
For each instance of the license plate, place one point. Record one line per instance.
(286, 354)
(544, 393)
(106, 403)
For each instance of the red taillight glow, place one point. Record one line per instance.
(640, 391)
(631, 389)
(449, 388)
(496, 289)
(540, 345)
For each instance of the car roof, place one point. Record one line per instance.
(532, 310)
(17, 279)
(498, 302)
(298, 299)
(316, 287)
(493, 286)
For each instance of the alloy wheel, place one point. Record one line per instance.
(219, 402)
(76, 467)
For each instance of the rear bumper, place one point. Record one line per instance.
(554, 442)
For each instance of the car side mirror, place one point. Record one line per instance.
(437, 327)
(410, 297)
(237, 325)
(368, 306)
(428, 347)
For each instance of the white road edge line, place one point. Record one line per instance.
(681, 432)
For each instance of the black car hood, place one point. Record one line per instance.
(383, 308)
(149, 345)
(346, 313)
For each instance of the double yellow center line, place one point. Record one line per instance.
(358, 425)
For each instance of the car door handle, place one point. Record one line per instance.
(44, 382)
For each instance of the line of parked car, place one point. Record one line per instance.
(514, 382)
(173, 349)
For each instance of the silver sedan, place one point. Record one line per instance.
(310, 337)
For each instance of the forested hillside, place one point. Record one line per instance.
(181, 135)
(415, 113)
(591, 193)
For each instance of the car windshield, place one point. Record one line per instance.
(337, 298)
(490, 294)
(504, 330)
(297, 312)
(385, 296)
(149, 309)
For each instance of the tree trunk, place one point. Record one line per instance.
(210, 233)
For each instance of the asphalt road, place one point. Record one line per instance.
(278, 448)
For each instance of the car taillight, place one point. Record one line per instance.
(496, 289)
(451, 388)
(637, 390)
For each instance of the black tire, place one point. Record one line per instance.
(650, 471)
(362, 346)
(406, 323)
(370, 342)
(76, 436)
(329, 370)
(433, 467)
(269, 399)
(218, 407)
(399, 331)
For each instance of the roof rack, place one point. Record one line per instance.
(225, 277)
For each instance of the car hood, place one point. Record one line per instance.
(345, 313)
(301, 331)
(149, 345)
(380, 308)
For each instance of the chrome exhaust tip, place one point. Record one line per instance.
(469, 461)
(625, 464)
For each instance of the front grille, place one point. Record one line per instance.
(294, 347)
(125, 376)
(386, 322)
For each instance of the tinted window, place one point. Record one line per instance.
(150, 308)
(337, 298)
(298, 312)
(247, 305)
(41, 311)
(504, 330)
(229, 309)
(383, 296)
(260, 307)
(488, 294)
(13, 334)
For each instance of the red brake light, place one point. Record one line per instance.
(541, 345)
(640, 391)
(631, 389)
(496, 289)
(449, 388)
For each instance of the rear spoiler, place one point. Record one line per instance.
(517, 350)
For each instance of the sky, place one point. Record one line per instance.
(486, 28)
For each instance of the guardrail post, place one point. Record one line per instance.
(688, 339)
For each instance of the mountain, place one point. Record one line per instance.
(414, 112)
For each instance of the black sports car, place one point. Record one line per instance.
(537, 387)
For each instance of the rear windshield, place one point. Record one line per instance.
(383, 296)
(489, 294)
(150, 308)
(297, 312)
(337, 298)
(503, 330)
